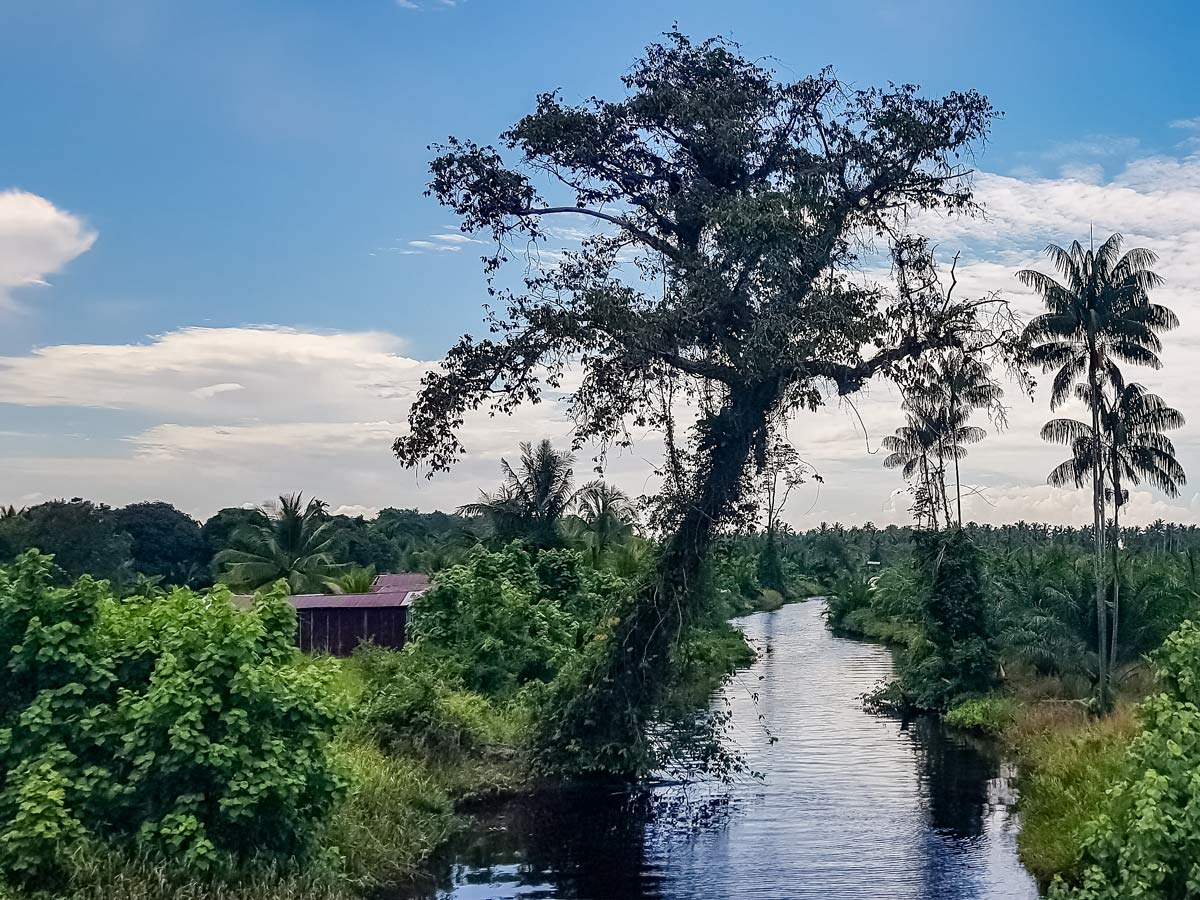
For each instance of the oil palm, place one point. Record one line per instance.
(533, 498)
(1130, 448)
(1132, 422)
(1099, 314)
(292, 541)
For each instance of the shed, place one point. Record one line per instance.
(338, 623)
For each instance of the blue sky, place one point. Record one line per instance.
(262, 163)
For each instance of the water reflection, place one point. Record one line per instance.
(853, 805)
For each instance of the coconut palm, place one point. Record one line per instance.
(533, 498)
(608, 514)
(292, 541)
(1098, 315)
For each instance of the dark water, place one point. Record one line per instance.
(852, 806)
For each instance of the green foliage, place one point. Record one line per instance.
(955, 655)
(165, 543)
(356, 581)
(989, 715)
(1143, 844)
(83, 537)
(496, 623)
(177, 725)
(412, 703)
(395, 815)
(292, 542)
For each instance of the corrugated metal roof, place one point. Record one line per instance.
(397, 589)
(354, 601)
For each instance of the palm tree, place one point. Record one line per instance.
(912, 450)
(955, 385)
(1131, 448)
(358, 580)
(608, 514)
(533, 498)
(1132, 423)
(1099, 314)
(292, 541)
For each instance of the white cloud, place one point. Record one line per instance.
(211, 390)
(208, 417)
(37, 239)
(407, 4)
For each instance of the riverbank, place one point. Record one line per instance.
(1066, 758)
(850, 804)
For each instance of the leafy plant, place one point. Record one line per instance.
(178, 725)
(292, 543)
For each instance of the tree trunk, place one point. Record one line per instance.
(958, 489)
(602, 728)
(1098, 526)
(1116, 574)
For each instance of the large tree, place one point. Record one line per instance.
(166, 543)
(83, 537)
(1098, 316)
(732, 210)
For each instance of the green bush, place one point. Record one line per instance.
(179, 725)
(411, 702)
(1146, 842)
(990, 715)
(495, 623)
(956, 654)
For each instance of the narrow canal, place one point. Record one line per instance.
(853, 805)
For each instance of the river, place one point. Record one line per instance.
(852, 805)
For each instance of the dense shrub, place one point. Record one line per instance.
(414, 702)
(177, 725)
(503, 619)
(989, 715)
(1147, 842)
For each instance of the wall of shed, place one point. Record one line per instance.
(340, 631)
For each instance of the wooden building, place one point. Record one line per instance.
(338, 623)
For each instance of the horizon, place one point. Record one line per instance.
(211, 207)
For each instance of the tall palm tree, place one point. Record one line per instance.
(1099, 314)
(1131, 448)
(292, 541)
(913, 449)
(955, 384)
(533, 498)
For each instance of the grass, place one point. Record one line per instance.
(991, 715)
(398, 812)
(1067, 761)
(104, 874)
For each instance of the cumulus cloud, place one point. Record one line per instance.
(37, 239)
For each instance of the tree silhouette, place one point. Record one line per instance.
(1099, 314)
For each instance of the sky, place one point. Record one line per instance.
(220, 279)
